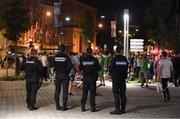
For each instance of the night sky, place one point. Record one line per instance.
(108, 7)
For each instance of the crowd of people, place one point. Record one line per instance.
(145, 67)
(63, 67)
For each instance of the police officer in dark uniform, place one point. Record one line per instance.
(119, 71)
(89, 66)
(32, 67)
(63, 65)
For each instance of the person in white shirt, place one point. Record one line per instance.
(44, 62)
(164, 74)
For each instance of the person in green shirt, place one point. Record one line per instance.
(101, 72)
(143, 76)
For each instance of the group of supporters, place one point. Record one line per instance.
(146, 67)
(62, 69)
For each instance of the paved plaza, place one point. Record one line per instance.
(142, 103)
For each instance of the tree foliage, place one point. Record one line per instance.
(160, 22)
(87, 26)
(15, 22)
(15, 19)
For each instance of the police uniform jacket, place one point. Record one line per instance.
(63, 65)
(119, 67)
(90, 66)
(32, 67)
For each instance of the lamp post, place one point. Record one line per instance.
(100, 25)
(113, 26)
(48, 22)
(126, 32)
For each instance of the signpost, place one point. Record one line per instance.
(136, 45)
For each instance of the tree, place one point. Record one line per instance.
(87, 26)
(15, 20)
(158, 22)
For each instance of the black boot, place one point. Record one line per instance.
(83, 108)
(93, 109)
(123, 106)
(33, 108)
(58, 107)
(64, 108)
(117, 111)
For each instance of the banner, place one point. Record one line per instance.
(57, 14)
(113, 28)
(136, 45)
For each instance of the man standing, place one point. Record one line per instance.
(44, 63)
(51, 66)
(119, 72)
(176, 65)
(164, 75)
(63, 65)
(32, 67)
(72, 73)
(144, 70)
(89, 66)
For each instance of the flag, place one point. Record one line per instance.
(113, 28)
(57, 14)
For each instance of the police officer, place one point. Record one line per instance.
(119, 71)
(32, 67)
(89, 67)
(63, 65)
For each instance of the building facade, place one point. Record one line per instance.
(45, 36)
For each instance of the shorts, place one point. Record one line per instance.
(143, 75)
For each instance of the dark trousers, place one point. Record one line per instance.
(89, 84)
(31, 88)
(44, 73)
(177, 78)
(164, 82)
(119, 91)
(137, 70)
(64, 83)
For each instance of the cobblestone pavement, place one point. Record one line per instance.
(142, 103)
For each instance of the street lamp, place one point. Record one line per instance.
(48, 13)
(67, 18)
(126, 32)
(102, 17)
(120, 31)
(100, 25)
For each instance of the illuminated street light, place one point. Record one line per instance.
(67, 18)
(120, 31)
(48, 13)
(126, 32)
(100, 25)
(137, 30)
(102, 17)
